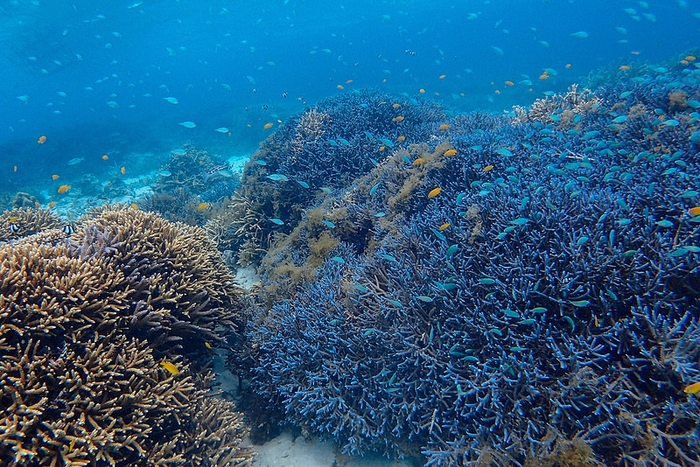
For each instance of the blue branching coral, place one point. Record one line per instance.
(543, 305)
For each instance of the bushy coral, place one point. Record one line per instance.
(103, 346)
(322, 150)
(541, 308)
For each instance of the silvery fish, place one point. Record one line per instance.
(76, 160)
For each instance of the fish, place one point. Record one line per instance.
(278, 178)
(187, 124)
(444, 226)
(172, 100)
(580, 34)
(418, 161)
(692, 389)
(694, 211)
(420, 91)
(222, 130)
(41, 140)
(276, 221)
(444, 126)
(76, 160)
(450, 153)
(163, 173)
(55, 177)
(400, 138)
(434, 192)
(267, 126)
(122, 170)
(397, 119)
(52, 204)
(328, 224)
(203, 206)
(488, 168)
(13, 227)
(169, 367)
(302, 183)
(387, 142)
(105, 157)
(63, 188)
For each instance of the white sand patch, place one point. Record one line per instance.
(286, 451)
(247, 277)
(238, 162)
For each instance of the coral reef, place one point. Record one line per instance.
(105, 337)
(322, 150)
(190, 186)
(503, 291)
(20, 222)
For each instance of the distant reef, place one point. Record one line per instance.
(519, 289)
(465, 290)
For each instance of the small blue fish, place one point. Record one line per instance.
(338, 260)
(326, 190)
(620, 119)
(504, 152)
(387, 142)
(303, 184)
(344, 141)
(451, 251)
(424, 298)
(670, 123)
(380, 214)
(276, 221)
(328, 224)
(360, 288)
(261, 162)
(389, 258)
(278, 177)
(520, 221)
(374, 188)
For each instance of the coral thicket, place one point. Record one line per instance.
(104, 342)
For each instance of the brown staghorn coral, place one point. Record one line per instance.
(574, 102)
(85, 321)
(20, 222)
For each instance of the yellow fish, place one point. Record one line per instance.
(488, 168)
(267, 126)
(398, 118)
(62, 189)
(203, 206)
(444, 126)
(55, 177)
(450, 152)
(170, 367)
(400, 138)
(421, 90)
(692, 389)
(396, 106)
(443, 76)
(694, 211)
(434, 192)
(418, 161)
(444, 226)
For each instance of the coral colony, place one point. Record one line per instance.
(479, 290)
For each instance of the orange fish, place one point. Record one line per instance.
(544, 75)
(134, 206)
(398, 118)
(203, 206)
(694, 211)
(625, 67)
(444, 226)
(396, 106)
(55, 177)
(421, 90)
(382, 148)
(105, 157)
(41, 140)
(450, 152)
(568, 65)
(400, 138)
(267, 126)
(444, 126)
(692, 389)
(340, 87)
(690, 58)
(122, 170)
(498, 92)
(63, 188)
(443, 76)
(348, 81)
(434, 192)
(488, 168)
(510, 83)
(418, 161)
(52, 204)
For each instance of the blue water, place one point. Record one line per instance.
(92, 76)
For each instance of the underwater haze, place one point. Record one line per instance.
(122, 77)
